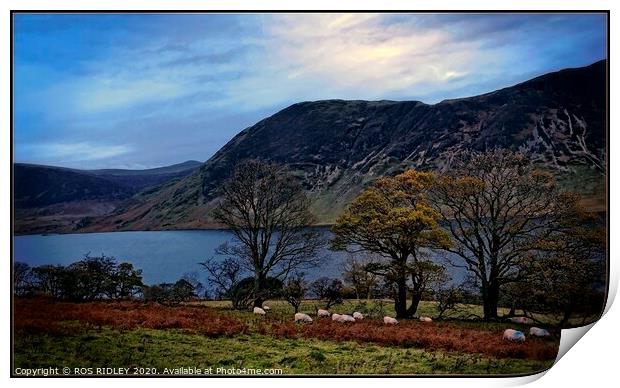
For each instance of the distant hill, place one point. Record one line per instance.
(337, 147)
(58, 191)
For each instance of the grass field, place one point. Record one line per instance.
(209, 335)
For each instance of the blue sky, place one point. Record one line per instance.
(147, 90)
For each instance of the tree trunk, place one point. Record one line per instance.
(568, 311)
(416, 298)
(490, 298)
(259, 288)
(400, 302)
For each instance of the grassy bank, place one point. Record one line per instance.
(128, 334)
(160, 349)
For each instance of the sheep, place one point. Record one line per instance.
(301, 317)
(426, 319)
(390, 321)
(513, 335)
(346, 318)
(336, 317)
(259, 311)
(357, 315)
(322, 313)
(538, 332)
(519, 320)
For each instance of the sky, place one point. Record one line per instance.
(148, 90)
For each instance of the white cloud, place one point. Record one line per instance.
(291, 57)
(364, 53)
(72, 152)
(107, 93)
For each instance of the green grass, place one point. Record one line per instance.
(175, 349)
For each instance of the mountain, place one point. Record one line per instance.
(42, 194)
(337, 147)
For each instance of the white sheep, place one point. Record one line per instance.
(390, 321)
(336, 317)
(346, 318)
(538, 332)
(259, 311)
(426, 319)
(358, 315)
(513, 335)
(301, 317)
(519, 320)
(322, 313)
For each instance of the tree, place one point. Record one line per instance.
(127, 281)
(329, 290)
(565, 274)
(354, 273)
(497, 205)
(447, 299)
(294, 290)
(174, 293)
(242, 294)
(266, 210)
(159, 293)
(223, 276)
(393, 219)
(182, 291)
(89, 278)
(49, 279)
(22, 278)
(193, 279)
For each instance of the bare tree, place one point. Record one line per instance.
(23, 278)
(497, 205)
(355, 274)
(222, 275)
(267, 211)
(295, 290)
(328, 290)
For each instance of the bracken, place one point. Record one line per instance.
(44, 315)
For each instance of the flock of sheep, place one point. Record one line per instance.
(356, 316)
(509, 334)
(519, 336)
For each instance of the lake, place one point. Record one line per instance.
(163, 256)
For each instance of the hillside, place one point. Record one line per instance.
(336, 147)
(47, 197)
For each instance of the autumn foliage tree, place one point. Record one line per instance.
(565, 274)
(498, 207)
(393, 219)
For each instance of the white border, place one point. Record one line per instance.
(591, 363)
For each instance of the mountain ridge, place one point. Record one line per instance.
(336, 147)
(51, 199)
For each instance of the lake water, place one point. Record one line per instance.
(163, 256)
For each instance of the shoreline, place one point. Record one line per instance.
(321, 225)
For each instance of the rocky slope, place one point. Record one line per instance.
(336, 147)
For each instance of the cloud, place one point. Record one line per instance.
(84, 85)
(360, 52)
(72, 152)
